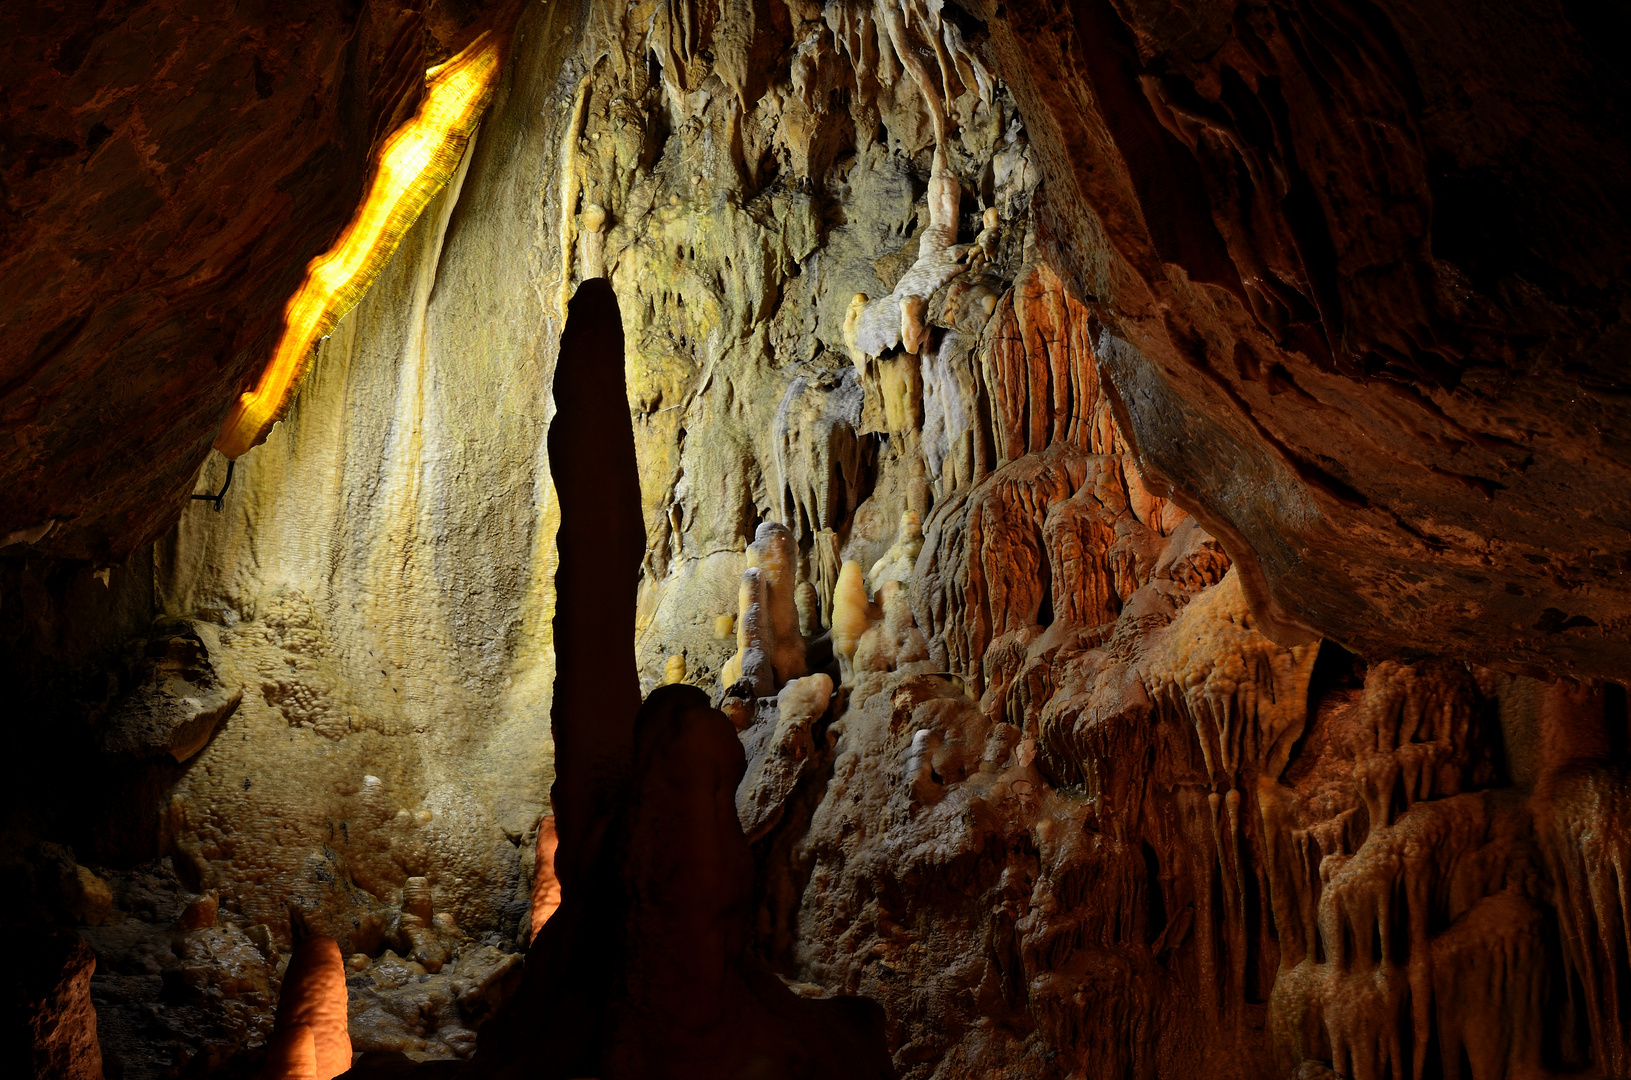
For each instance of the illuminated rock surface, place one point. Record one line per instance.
(998, 418)
(168, 174)
(310, 1031)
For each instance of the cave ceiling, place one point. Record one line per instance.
(167, 170)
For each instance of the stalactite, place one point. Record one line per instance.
(1246, 696)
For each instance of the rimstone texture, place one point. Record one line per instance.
(1184, 444)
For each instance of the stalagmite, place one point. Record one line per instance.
(889, 643)
(546, 887)
(852, 614)
(602, 543)
(593, 241)
(755, 638)
(852, 318)
(772, 551)
(900, 385)
(808, 600)
(292, 1055)
(312, 1013)
(419, 925)
(900, 560)
(984, 248)
(1089, 799)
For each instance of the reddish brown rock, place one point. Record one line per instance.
(546, 887)
(312, 1012)
(53, 973)
(165, 176)
(1364, 271)
(1042, 395)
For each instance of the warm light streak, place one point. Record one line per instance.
(416, 160)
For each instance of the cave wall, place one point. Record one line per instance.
(1084, 804)
(385, 622)
(324, 709)
(168, 172)
(1372, 255)
(1099, 790)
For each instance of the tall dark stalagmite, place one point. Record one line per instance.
(560, 1025)
(645, 968)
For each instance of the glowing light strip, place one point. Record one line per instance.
(416, 160)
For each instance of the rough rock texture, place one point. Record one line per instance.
(59, 1039)
(180, 701)
(1076, 814)
(646, 969)
(178, 994)
(1364, 268)
(394, 726)
(165, 175)
(395, 664)
(1080, 380)
(311, 1015)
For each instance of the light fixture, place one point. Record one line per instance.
(414, 162)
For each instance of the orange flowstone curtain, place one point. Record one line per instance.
(416, 160)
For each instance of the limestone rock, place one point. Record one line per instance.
(54, 980)
(546, 887)
(1276, 352)
(853, 612)
(252, 168)
(780, 753)
(179, 702)
(312, 1013)
(1291, 364)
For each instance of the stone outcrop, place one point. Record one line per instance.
(1359, 327)
(58, 1031)
(178, 703)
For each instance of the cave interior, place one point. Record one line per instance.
(728, 539)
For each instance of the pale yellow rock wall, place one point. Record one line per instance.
(382, 574)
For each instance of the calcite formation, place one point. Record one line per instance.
(310, 1038)
(1115, 513)
(413, 164)
(1286, 217)
(168, 177)
(181, 700)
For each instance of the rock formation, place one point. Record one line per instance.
(1114, 513)
(310, 1038)
(157, 222)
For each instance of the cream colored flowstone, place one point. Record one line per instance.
(415, 162)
